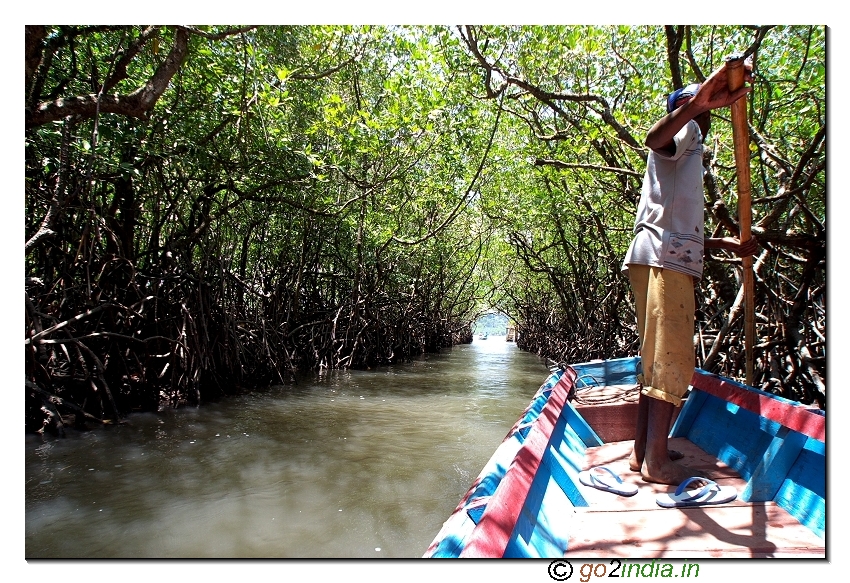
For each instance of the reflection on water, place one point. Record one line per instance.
(346, 464)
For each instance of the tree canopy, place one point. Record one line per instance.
(213, 208)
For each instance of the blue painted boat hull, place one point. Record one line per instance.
(520, 503)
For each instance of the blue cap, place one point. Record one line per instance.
(688, 91)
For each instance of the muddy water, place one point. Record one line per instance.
(360, 464)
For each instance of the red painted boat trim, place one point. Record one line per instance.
(792, 416)
(494, 530)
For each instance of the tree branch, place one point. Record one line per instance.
(564, 165)
(137, 104)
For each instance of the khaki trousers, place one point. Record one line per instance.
(664, 300)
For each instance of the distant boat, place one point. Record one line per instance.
(529, 501)
(484, 336)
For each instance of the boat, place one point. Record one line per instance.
(528, 500)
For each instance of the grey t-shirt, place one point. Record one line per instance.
(670, 216)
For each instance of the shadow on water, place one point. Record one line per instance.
(344, 464)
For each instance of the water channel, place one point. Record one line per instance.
(355, 464)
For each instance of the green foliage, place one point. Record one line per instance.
(385, 184)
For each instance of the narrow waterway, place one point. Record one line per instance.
(344, 465)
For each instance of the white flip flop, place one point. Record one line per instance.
(603, 478)
(710, 494)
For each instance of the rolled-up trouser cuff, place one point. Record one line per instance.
(662, 396)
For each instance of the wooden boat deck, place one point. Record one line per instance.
(636, 527)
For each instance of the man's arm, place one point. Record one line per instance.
(713, 94)
(732, 244)
(660, 137)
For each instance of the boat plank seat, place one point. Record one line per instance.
(611, 410)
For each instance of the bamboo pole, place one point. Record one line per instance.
(741, 139)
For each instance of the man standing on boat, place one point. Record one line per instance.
(664, 260)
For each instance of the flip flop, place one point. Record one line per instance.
(711, 493)
(607, 481)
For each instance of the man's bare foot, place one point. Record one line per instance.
(668, 473)
(635, 465)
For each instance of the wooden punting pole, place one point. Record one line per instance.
(741, 138)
